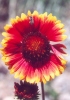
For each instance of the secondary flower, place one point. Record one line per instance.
(26, 91)
(32, 48)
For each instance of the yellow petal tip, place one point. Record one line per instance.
(7, 27)
(23, 16)
(29, 13)
(64, 37)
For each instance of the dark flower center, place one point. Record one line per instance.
(36, 49)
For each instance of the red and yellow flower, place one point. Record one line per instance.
(32, 48)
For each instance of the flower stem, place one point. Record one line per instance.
(42, 87)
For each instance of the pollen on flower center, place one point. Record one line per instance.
(35, 44)
(36, 48)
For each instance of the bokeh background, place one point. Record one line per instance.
(59, 88)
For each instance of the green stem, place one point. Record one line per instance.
(42, 87)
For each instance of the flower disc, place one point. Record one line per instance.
(36, 48)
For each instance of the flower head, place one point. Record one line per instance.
(26, 91)
(31, 47)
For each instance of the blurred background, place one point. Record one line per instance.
(59, 88)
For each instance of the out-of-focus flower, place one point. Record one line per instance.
(26, 91)
(32, 48)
